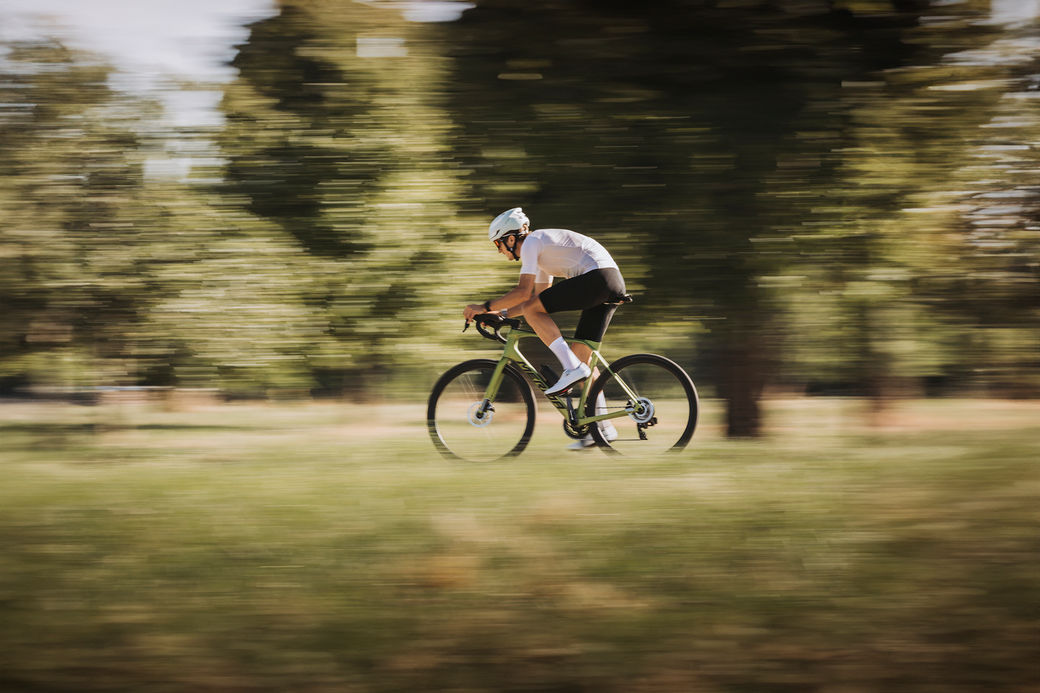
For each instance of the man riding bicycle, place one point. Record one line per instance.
(591, 281)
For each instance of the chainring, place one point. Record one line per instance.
(576, 432)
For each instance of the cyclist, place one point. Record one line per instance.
(591, 280)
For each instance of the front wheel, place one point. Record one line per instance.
(660, 402)
(463, 426)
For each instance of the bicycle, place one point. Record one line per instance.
(484, 410)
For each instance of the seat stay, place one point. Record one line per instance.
(598, 360)
(585, 420)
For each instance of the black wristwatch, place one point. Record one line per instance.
(487, 306)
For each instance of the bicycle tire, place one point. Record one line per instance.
(667, 386)
(452, 428)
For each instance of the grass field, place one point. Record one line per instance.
(325, 547)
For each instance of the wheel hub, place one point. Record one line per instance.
(642, 411)
(481, 413)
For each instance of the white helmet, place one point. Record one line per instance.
(507, 222)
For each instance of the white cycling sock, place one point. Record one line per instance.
(563, 352)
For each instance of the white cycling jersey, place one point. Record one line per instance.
(548, 253)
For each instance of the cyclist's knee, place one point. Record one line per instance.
(534, 305)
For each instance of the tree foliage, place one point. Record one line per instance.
(70, 243)
(840, 197)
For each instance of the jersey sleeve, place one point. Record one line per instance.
(529, 253)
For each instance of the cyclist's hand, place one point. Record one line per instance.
(472, 310)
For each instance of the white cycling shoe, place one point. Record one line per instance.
(609, 432)
(570, 377)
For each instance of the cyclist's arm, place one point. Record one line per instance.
(514, 311)
(525, 289)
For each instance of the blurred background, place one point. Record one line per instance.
(828, 212)
(290, 198)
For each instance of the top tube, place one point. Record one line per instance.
(519, 330)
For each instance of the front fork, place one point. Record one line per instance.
(486, 408)
(483, 412)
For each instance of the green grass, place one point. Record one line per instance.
(327, 548)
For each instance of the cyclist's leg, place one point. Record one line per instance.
(592, 326)
(595, 318)
(584, 292)
(577, 293)
(538, 318)
(574, 369)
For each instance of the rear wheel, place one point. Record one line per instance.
(661, 416)
(463, 426)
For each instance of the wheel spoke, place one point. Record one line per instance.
(461, 428)
(661, 418)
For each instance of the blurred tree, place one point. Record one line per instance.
(109, 277)
(335, 133)
(893, 298)
(747, 161)
(687, 134)
(996, 298)
(838, 192)
(71, 200)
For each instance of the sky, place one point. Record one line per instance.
(150, 43)
(158, 47)
(155, 42)
(1011, 11)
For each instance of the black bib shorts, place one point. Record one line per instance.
(590, 293)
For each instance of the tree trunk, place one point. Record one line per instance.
(742, 370)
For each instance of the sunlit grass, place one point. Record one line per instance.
(327, 547)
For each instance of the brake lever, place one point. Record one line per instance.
(466, 326)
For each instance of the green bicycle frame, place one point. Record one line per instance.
(512, 355)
